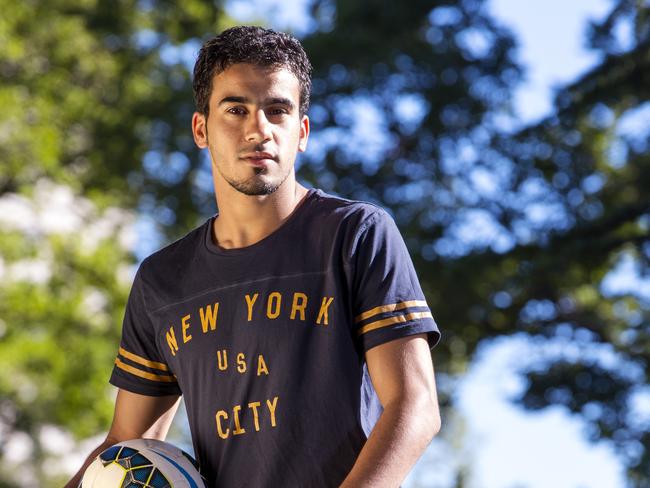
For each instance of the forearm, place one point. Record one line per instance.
(399, 438)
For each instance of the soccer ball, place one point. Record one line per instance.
(143, 463)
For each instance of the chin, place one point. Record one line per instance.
(257, 188)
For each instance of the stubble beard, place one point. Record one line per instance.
(254, 185)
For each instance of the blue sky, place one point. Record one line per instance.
(551, 35)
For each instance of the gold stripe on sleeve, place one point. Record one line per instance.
(144, 374)
(393, 320)
(390, 308)
(144, 362)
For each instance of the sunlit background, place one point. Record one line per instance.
(508, 139)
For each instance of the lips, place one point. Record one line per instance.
(258, 155)
(259, 159)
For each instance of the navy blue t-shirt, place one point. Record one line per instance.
(266, 343)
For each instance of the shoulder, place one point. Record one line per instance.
(357, 213)
(350, 224)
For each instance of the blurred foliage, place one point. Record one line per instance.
(62, 295)
(95, 97)
(85, 99)
(513, 230)
(592, 158)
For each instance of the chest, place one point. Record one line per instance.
(277, 314)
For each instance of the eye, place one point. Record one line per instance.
(276, 111)
(236, 111)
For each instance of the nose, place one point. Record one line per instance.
(259, 127)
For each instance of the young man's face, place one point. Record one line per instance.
(254, 130)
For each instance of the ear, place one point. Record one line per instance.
(304, 134)
(200, 130)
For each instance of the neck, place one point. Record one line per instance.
(244, 220)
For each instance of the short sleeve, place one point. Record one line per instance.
(388, 301)
(139, 367)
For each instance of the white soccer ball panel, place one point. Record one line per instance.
(99, 476)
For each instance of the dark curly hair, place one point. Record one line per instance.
(255, 45)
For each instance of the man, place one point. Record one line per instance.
(292, 322)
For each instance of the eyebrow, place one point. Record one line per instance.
(268, 101)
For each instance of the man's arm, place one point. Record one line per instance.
(135, 416)
(402, 375)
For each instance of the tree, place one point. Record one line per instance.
(512, 232)
(597, 172)
(64, 278)
(94, 127)
(104, 92)
(437, 76)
